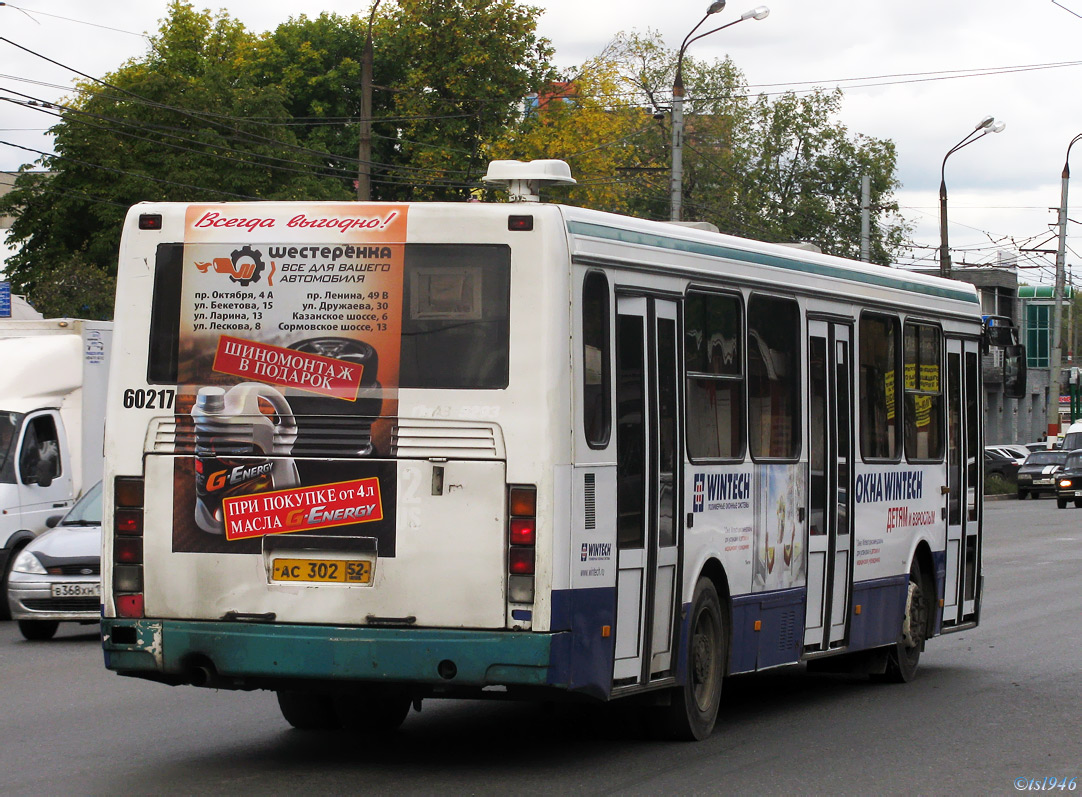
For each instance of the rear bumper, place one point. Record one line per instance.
(250, 655)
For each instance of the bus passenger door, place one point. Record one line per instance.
(963, 483)
(648, 479)
(830, 451)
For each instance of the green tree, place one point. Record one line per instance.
(213, 112)
(584, 123)
(461, 69)
(184, 123)
(782, 169)
(76, 288)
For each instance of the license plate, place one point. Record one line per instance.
(76, 590)
(1042, 481)
(324, 571)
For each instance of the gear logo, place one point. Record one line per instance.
(243, 266)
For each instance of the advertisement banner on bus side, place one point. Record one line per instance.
(756, 511)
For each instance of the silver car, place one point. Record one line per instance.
(57, 577)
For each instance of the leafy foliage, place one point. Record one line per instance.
(76, 288)
(780, 169)
(214, 112)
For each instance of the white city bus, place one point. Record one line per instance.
(364, 454)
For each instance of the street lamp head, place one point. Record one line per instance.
(985, 123)
(998, 127)
(759, 12)
(715, 7)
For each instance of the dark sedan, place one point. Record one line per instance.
(998, 463)
(1069, 481)
(1039, 472)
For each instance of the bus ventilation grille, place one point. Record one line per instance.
(787, 632)
(445, 439)
(334, 436)
(588, 490)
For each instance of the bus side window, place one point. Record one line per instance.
(773, 377)
(880, 423)
(596, 402)
(713, 331)
(922, 345)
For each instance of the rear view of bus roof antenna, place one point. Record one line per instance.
(523, 179)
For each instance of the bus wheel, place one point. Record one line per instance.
(373, 711)
(694, 706)
(308, 711)
(903, 658)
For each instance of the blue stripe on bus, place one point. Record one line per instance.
(882, 607)
(583, 660)
(780, 638)
(877, 278)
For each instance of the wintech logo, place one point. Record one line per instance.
(699, 493)
(596, 550)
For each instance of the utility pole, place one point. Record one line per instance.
(364, 139)
(866, 218)
(1055, 361)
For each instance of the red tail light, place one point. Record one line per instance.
(521, 542)
(129, 522)
(128, 550)
(521, 561)
(523, 531)
(129, 606)
(127, 572)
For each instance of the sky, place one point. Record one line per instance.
(922, 73)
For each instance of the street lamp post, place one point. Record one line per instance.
(364, 137)
(676, 179)
(987, 125)
(1057, 294)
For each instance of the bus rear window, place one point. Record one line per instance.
(455, 316)
(455, 306)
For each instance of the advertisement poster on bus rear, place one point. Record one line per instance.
(288, 355)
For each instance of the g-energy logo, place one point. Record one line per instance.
(593, 551)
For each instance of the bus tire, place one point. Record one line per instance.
(308, 711)
(373, 711)
(694, 708)
(904, 656)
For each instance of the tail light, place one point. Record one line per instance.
(128, 546)
(521, 543)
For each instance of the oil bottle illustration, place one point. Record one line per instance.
(239, 450)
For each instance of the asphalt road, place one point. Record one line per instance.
(990, 706)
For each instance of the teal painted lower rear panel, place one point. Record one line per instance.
(272, 651)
